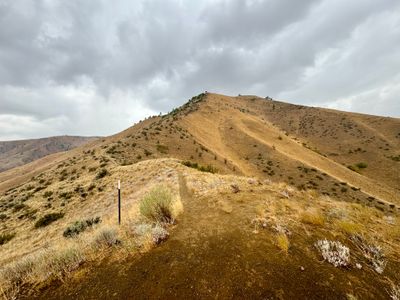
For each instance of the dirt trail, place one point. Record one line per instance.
(212, 254)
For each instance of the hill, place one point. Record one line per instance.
(18, 153)
(286, 177)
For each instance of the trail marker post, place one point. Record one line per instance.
(119, 202)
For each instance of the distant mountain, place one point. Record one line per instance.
(20, 152)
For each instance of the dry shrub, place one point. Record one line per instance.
(334, 252)
(106, 237)
(373, 253)
(147, 235)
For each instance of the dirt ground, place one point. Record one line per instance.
(213, 253)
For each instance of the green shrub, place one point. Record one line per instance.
(157, 205)
(361, 165)
(47, 194)
(48, 219)
(162, 149)
(6, 237)
(208, 168)
(80, 226)
(102, 173)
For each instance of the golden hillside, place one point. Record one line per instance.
(285, 177)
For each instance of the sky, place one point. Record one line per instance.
(96, 67)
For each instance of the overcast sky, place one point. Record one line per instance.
(95, 67)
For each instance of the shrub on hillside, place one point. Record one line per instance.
(6, 237)
(80, 226)
(334, 252)
(102, 173)
(48, 219)
(157, 205)
(106, 237)
(361, 165)
(208, 168)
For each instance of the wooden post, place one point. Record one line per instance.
(119, 202)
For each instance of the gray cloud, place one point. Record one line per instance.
(96, 67)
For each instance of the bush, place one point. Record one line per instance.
(48, 219)
(373, 253)
(6, 237)
(334, 252)
(162, 149)
(80, 226)
(106, 237)
(361, 165)
(146, 232)
(157, 205)
(102, 173)
(208, 168)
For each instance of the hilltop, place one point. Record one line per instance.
(260, 181)
(17, 153)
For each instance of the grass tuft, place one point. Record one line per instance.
(313, 218)
(282, 242)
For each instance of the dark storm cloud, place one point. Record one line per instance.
(95, 67)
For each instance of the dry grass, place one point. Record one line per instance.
(282, 242)
(39, 267)
(312, 217)
(349, 227)
(394, 292)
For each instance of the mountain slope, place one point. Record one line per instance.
(17, 153)
(265, 152)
